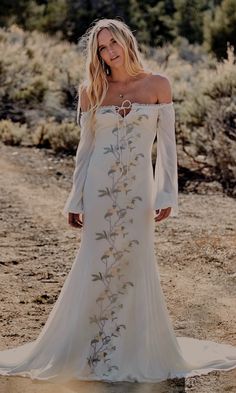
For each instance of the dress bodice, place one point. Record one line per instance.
(129, 138)
(131, 110)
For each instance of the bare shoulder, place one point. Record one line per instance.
(83, 102)
(162, 88)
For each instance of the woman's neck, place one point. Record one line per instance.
(120, 75)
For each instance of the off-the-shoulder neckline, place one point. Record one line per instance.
(112, 106)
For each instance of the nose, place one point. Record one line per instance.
(111, 52)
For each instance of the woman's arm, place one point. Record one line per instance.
(166, 172)
(74, 203)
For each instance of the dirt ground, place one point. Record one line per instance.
(196, 253)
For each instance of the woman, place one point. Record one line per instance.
(110, 321)
(119, 82)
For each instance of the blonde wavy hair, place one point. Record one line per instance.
(95, 82)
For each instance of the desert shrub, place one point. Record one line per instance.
(62, 137)
(38, 73)
(207, 127)
(12, 133)
(32, 93)
(221, 128)
(222, 82)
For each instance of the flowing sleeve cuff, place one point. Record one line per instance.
(166, 169)
(75, 203)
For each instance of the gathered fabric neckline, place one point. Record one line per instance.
(113, 106)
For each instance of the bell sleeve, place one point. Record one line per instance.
(166, 169)
(74, 203)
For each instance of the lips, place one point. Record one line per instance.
(114, 58)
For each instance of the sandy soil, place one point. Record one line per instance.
(195, 252)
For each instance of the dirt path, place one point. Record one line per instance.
(196, 254)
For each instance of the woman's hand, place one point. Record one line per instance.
(162, 213)
(74, 220)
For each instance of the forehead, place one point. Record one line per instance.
(104, 36)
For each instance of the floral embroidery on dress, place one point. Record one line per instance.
(111, 274)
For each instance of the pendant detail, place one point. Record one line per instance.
(121, 95)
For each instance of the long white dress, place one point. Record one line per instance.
(110, 321)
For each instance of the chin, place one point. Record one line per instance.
(117, 64)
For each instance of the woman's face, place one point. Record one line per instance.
(109, 49)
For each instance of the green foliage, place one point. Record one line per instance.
(54, 17)
(22, 12)
(189, 19)
(153, 22)
(156, 26)
(220, 28)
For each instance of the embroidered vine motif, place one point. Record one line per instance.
(114, 260)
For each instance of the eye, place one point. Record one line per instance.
(101, 48)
